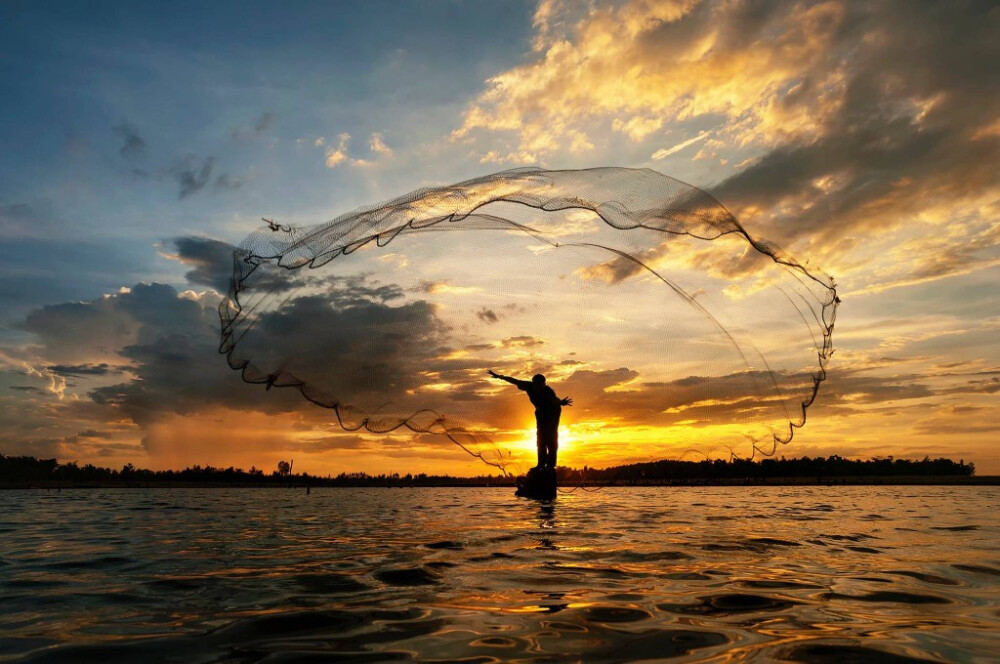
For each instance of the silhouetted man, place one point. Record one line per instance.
(548, 408)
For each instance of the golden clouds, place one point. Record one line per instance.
(340, 154)
(377, 145)
(336, 155)
(863, 136)
(636, 67)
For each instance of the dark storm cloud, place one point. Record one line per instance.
(347, 340)
(74, 332)
(133, 144)
(173, 354)
(362, 347)
(211, 260)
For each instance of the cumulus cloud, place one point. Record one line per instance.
(174, 355)
(75, 333)
(149, 355)
(366, 352)
(211, 261)
(377, 145)
(337, 155)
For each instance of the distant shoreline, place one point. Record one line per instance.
(318, 483)
(32, 473)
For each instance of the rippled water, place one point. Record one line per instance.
(882, 574)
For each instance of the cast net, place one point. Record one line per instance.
(639, 296)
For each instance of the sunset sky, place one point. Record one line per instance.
(139, 144)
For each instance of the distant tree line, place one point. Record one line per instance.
(819, 468)
(26, 469)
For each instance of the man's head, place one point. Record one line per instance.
(538, 379)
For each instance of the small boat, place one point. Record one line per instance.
(539, 483)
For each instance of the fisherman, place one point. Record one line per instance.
(548, 408)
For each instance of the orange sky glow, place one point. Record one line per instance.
(833, 130)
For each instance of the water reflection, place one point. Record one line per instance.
(467, 574)
(547, 524)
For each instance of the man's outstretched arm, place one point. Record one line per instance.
(520, 384)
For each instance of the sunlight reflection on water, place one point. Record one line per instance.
(887, 574)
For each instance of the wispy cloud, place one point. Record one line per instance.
(261, 126)
(133, 144)
(192, 176)
(663, 153)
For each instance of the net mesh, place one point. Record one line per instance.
(639, 296)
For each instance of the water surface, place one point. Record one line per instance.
(880, 574)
